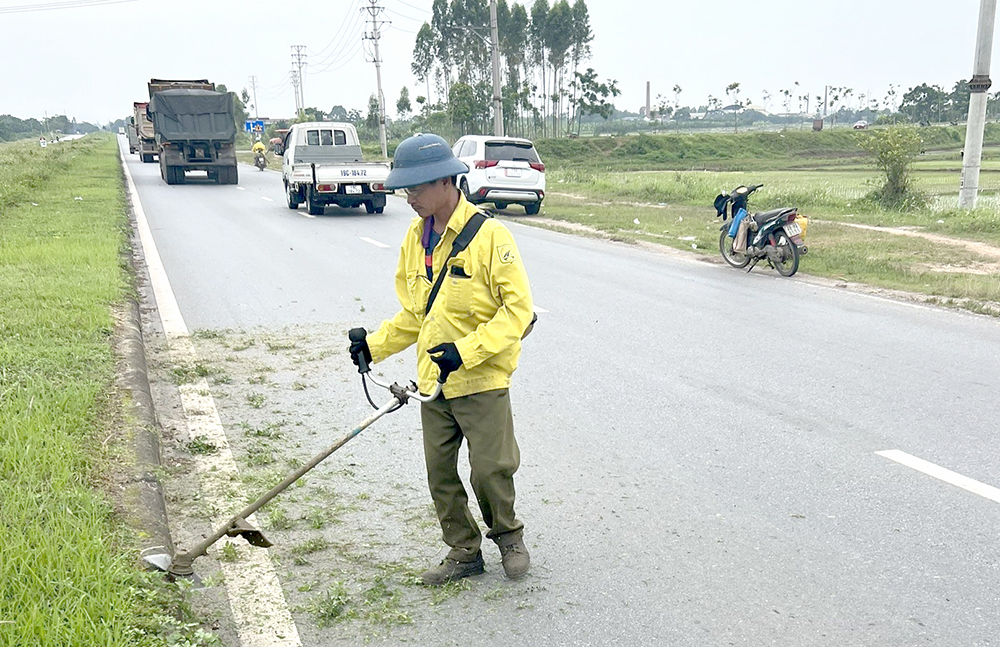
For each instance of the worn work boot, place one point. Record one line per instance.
(450, 570)
(514, 557)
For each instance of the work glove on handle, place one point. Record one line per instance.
(361, 355)
(447, 357)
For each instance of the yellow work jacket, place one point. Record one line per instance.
(484, 306)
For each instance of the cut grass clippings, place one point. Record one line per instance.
(67, 571)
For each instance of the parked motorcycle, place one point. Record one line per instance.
(260, 160)
(777, 236)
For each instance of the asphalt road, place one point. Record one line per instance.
(698, 444)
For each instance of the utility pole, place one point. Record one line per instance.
(253, 86)
(374, 10)
(294, 74)
(980, 83)
(298, 60)
(495, 47)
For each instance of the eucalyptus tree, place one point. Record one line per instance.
(424, 55)
(582, 37)
(558, 41)
(537, 31)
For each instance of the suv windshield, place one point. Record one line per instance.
(511, 151)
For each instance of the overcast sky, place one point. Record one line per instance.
(92, 62)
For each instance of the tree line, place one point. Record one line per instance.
(541, 51)
(12, 128)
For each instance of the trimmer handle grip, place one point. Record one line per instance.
(359, 335)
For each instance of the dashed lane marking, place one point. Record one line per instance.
(371, 241)
(264, 197)
(946, 475)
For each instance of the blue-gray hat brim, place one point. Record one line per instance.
(404, 178)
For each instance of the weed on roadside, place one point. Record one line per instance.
(201, 445)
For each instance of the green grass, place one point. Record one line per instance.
(67, 562)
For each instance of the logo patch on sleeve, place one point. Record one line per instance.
(506, 254)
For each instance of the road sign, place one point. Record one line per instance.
(254, 126)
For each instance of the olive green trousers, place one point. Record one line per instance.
(485, 421)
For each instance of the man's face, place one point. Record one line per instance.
(428, 199)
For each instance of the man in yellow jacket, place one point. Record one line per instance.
(472, 331)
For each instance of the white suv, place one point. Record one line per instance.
(502, 170)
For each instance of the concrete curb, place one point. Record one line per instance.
(144, 491)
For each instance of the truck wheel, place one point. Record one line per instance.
(229, 175)
(147, 158)
(292, 197)
(312, 206)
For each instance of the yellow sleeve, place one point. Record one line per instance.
(507, 279)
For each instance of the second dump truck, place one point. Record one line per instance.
(195, 130)
(145, 140)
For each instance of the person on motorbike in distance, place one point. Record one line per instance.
(258, 148)
(473, 329)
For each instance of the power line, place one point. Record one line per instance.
(351, 11)
(56, 6)
(343, 60)
(347, 36)
(404, 16)
(412, 7)
(405, 31)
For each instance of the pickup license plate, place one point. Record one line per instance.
(352, 189)
(513, 172)
(793, 229)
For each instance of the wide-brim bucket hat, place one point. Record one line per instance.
(423, 158)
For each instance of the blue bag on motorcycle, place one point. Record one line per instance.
(737, 219)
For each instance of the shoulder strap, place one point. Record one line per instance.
(462, 241)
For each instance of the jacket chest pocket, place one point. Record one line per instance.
(419, 288)
(460, 289)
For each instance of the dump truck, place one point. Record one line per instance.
(195, 130)
(145, 138)
(133, 138)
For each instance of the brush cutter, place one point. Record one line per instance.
(180, 564)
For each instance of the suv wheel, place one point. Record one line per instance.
(532, 208)
(464, 186)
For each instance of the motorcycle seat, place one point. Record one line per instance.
(764, 217)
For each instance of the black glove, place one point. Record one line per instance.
(447, 358)
(361, 355)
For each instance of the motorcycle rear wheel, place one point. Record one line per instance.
(789, 263)
(736, 259)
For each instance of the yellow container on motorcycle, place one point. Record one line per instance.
(803, 222)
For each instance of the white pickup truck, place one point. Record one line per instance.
(322, 165)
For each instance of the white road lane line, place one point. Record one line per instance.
(946, 475)
(264, 197)
(260, 611)
(239, 188)
(308, 215)
(374, 242)
(540, 311)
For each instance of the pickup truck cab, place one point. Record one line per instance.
(322, 165)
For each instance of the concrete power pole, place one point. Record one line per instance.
(374, 10)
(253, 86)
(294, 74)
(980, 83)
(495, 47)
(298, 60)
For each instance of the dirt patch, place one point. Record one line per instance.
(970, 245)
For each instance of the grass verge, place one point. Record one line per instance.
(67, 571)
